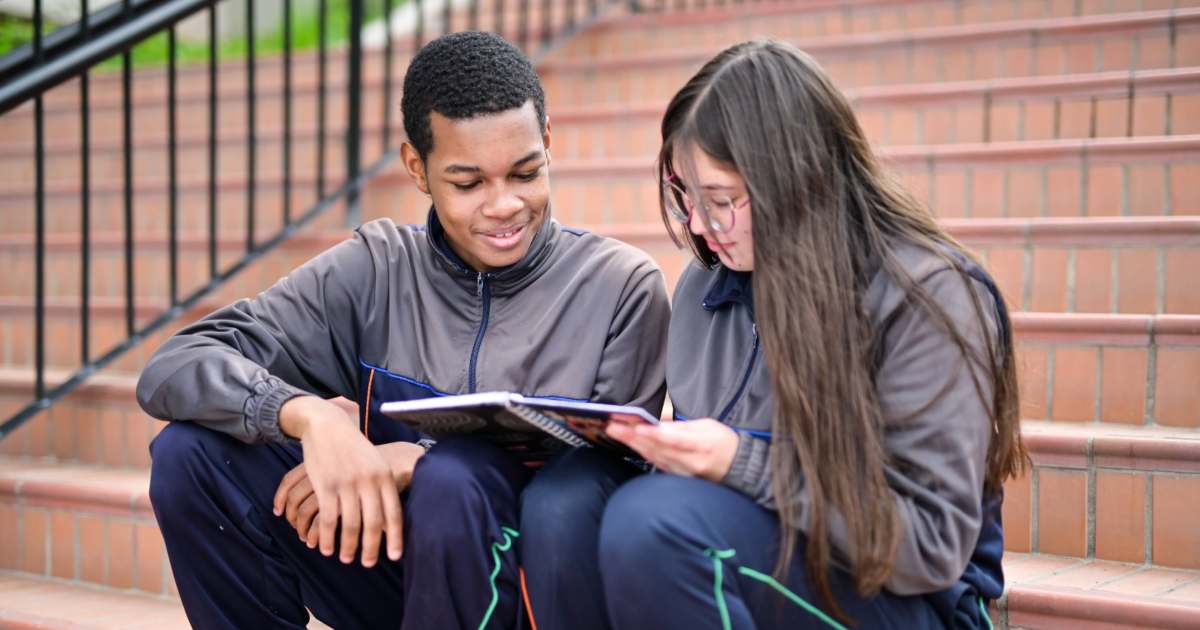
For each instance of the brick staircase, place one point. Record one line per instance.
(1058, 138)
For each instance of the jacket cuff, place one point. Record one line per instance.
(261, 413)
(750, 463)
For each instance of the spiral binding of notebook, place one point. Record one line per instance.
(547, 424)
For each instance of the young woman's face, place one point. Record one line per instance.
(719, 182)
(489, 182)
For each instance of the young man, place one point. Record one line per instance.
(491, 295)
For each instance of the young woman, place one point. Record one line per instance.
(845, 369)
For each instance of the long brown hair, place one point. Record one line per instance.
(826, 219)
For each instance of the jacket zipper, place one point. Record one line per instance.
(484, 291)
(745, 377)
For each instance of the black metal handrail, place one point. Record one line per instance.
(28, 73)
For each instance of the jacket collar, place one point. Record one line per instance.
(503, 280)
(730, 287)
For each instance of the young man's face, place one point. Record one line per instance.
(489, 182)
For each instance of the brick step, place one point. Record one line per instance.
(1077, 372)
(1165, 103)
(1054, 592)
(106, 83)
(1059, 178)
(1107, 492)
(1062, 46)
(1099, 177)
(721, 26)
(857, 15)
(1033, 600)
(1019, 48)
(36, 603)
(87, 524)
(93, 524)
(718, 26)
(1088, 265)
(151, 157)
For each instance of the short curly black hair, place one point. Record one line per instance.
(463, 75)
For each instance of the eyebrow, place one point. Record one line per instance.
(455, 169)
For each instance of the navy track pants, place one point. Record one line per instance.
(473, 516)
(239, 566)
(687, 554)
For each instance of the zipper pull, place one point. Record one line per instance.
(754, 329)
(479, 285)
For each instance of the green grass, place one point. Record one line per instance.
(16, 32)
(153, 51)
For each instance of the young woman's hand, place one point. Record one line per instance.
(694, 448)
(350, 478)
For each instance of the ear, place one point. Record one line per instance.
(415, 166)
(546, 138)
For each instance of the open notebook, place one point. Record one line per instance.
(531, 426)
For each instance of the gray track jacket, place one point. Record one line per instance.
(393, 314)
(716, 369)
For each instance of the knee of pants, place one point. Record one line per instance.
(460, 479)
(565, 500)
(177, 457)
(651, 516)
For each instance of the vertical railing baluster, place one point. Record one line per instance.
(322, 15)
(354, 111)
(287, 112)
(547, 21)
(39, 254)
(127, 131)
(85, 215)
(498, 8)
(1130, 101)
(447, 16)
(251, 139)
(212, 142)
(987, 117)
(473, 16)
(523, 25)
(173, 169)
(387, 76)
(37, 29)
(419, 29)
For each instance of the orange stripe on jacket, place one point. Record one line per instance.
(367, 405)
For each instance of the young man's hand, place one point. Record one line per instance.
(695, 448)
(349, 477)
(299, 503)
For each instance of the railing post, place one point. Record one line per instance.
(354, 112)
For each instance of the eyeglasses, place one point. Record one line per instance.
(719, 213)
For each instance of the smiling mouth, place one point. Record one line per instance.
(507, 233)
(717, 247)
(506, 238)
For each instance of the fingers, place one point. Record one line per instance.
(304, 518)
(676, 437)
(290, 479)
(393, 519)
(628, 436)
(327, 518)
(351, 526)
(671, 448)
(372, 521)
(313, 537)
(295, 497)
